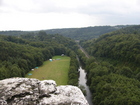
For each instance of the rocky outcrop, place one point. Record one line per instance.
(25, 91)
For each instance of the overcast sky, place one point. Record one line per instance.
(48, 14)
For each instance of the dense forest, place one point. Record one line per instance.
(86, 32)
(74, 33)
(14, 33)
(114, 70)
(19, 54)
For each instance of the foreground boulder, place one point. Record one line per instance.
(25, 91)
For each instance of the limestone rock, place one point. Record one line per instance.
(26, 91)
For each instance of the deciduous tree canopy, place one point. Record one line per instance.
(20, 54)
(114, 77)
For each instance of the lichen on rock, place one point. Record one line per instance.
(27, 91)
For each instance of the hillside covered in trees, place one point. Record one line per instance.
(20, 54)
(122, 45)
(84, 33)
(114, 71)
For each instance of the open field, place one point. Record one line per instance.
(56, 70)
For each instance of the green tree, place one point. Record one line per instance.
(126, 71)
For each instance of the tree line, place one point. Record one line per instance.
(84, 33)
(73, 73)
(20, 54)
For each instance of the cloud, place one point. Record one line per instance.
(109, 6)
(40, 21)
(88, 6)
(77, 6)
(0, 2)
(44, 14)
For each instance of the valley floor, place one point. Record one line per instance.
(57, 70)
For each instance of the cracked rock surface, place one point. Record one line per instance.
(27, 91)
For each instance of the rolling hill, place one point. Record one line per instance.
(84, 33)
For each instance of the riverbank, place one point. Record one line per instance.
(55, 69)
(82, 82)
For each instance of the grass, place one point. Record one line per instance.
(56, 70)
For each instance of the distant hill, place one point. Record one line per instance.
(127, 30)
(122, 45)
(13, 33)
(74, 33)
(86, 32)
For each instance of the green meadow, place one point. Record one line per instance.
(55, 70)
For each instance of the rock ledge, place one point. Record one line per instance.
(25, 91)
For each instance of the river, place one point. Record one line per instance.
(82, 81)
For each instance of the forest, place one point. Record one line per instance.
(113, 72)
(84, 33)
(19, 54)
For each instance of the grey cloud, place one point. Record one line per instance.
(47, 6)
(1, 2)
(104, 9)
(99, 12)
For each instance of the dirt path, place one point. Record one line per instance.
(87, 55)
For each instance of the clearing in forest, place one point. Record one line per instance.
(55, 69)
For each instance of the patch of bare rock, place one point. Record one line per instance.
(27, 91)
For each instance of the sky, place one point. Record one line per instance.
(28, 15)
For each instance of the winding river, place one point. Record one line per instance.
(82, 81)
